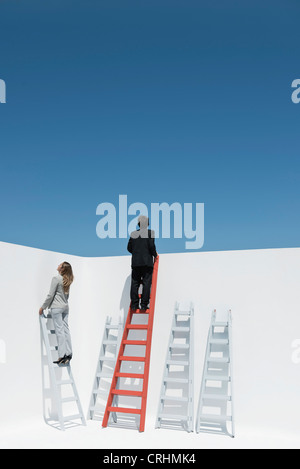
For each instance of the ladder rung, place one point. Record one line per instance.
(111, 326)
(130, 375)
(217, 377)
(177, 362)
(101, 392)
(173, 417)
(175, 380)
(127, 392)
(137, 326)
(183, 313)
(220, 324)
(217, 397)
(182, 346)
(218, 359)
(110, 342)
(125, 410)
(104, 375)
(69, 399)
(219, 341)
(180, 329)
(174, 398)
(138, 311)
(66, 381)
(132, 359)
(72, 417)
(215, 418)
(104, 358)
(51, 331)
(134, 342)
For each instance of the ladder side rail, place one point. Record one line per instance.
(98, 370)
(43, 356)
(203, 382)
(149, 342)
(231, 371)
(115, 401)
(52, 375)
(185, 422)
(191, 373)
(206, 366)
(76, 395)
(165, 369)
(120, 334)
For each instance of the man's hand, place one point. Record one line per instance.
(41, 311)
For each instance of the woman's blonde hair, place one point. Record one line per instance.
(67, 275)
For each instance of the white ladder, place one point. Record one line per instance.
(215, 407)
(59, 386)
(109, 349)
(176, 403)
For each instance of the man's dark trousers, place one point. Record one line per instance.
(141, 275)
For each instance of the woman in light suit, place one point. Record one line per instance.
(57, 301)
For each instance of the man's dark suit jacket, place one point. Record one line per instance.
(142, 247)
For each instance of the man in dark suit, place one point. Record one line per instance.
(142, 247)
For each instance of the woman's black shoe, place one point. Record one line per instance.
(59, 361)
(66, 360)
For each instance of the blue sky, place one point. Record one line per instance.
(165, 101)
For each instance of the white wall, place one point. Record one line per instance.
(261, 287)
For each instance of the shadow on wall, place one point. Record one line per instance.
(125, 298)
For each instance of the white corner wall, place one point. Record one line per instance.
(261, 287)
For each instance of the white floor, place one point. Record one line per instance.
(37, 435)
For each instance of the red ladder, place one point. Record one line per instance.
(114, 390)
